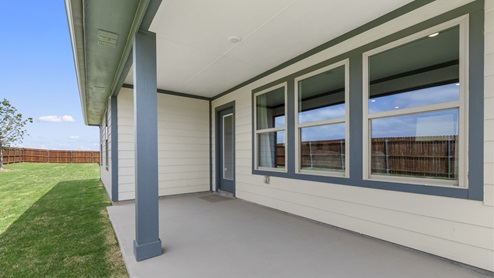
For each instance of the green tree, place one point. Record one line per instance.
(12, 129)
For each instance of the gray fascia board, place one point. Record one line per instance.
(75, 22)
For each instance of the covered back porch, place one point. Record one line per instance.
(178, 89)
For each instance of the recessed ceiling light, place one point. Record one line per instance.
(433, 35)
(234, 39)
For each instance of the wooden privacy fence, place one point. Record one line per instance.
(15, 155)
(410, 156)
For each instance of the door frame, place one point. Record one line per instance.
(218, 147)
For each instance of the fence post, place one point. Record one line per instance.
(92, 157)
(15, 154)
(386, 153)
(70, 156)
(449, 158)
(8, 156)
(310, 154)
(48, 156)
(342, 158)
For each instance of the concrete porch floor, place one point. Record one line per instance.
(208, 235)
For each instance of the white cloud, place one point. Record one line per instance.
(74, 137)
(67, 118)
(56, 119)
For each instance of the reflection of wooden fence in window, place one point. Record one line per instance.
(415, 156)
(16, 155)
(410, 156)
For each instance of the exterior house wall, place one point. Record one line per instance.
(489, 105)
(457, 229)
(105, 170)
(183, 144)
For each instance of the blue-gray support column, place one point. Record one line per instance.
(147, 243)
(114, 149)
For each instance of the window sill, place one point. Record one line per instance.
(416, 181)
(267, 169)
(323, 173)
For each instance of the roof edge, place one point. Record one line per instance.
(75, 19)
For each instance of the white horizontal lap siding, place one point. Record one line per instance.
(489, 104)
(105, 174)
(126, 170)
(457, 229)
(183, 145)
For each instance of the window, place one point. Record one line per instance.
(101, 145)
(106, 142)
(321, 109)
(415, 108)
(270, 129)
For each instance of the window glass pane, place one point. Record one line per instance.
(228, 147)
(421, 145)
(422, 97)
(271, 106)
(323, 147)
(322, 96)
(279, 121)
(272, 149)
(421, 72)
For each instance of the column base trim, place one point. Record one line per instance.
(147, 250)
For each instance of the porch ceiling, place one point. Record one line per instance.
(194, 53)
(195, 56)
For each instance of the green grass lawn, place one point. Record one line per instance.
(53, 223)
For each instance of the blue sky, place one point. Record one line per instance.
(37, 75)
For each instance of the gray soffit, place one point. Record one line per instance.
(101, 33)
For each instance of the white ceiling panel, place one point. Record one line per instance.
(227, 70)
(195, 57)
(302, 27)
(206, 25)
(178, 63)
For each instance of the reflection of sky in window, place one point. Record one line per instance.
(439, 123)
(324, 132)
(279, 121)
(321, 114)
(428, 96)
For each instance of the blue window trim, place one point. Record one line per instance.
(475, 114)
